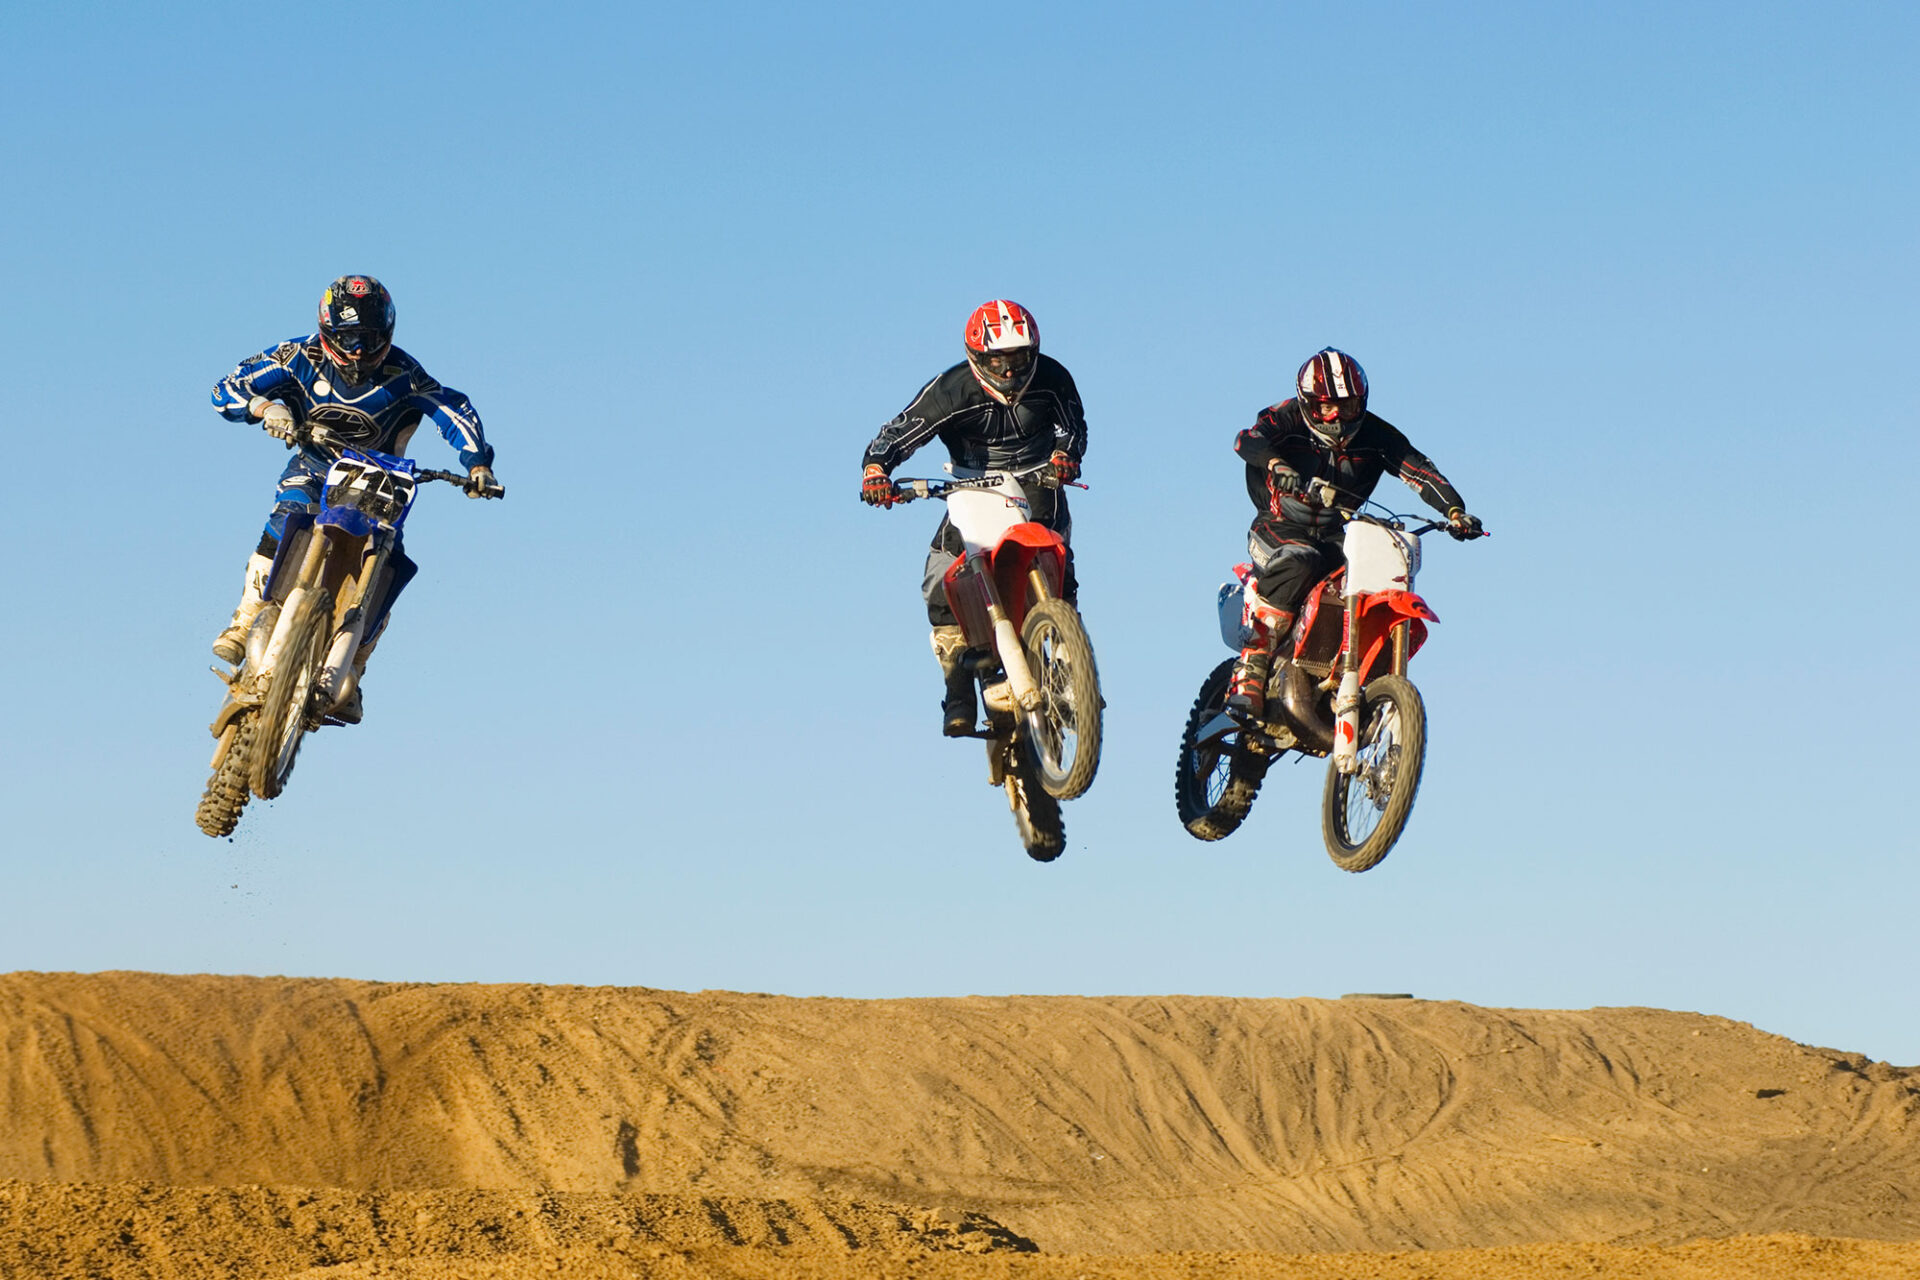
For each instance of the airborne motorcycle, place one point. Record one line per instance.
(1038, 683)
(1339, 690)
(333, 577)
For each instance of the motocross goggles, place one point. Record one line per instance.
(1346, 410)
(1006, 366)
(361, 342)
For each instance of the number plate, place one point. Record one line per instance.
(358, 482)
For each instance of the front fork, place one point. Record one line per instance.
(1013, 657)
(1346, 702)
(337, 678)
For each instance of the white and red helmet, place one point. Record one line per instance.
(1333, 394)
(1003, 347)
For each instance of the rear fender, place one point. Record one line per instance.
(230, 710)
(1379, 613)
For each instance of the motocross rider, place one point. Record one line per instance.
(350, 379)
(1005, 407)
(1305, 458)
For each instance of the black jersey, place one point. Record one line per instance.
(979, 431)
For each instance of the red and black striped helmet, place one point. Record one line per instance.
(356, 326)
(1003, 346)
(1333, 394)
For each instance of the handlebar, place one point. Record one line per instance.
(911, 490)
(1396, 522)
(325, 439)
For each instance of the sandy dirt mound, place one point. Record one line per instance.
(1747, 1258)
(59, 1231)
(139, 1231)
(1118, 1125)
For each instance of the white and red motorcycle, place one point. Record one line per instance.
(1338, 689)
(1038, 684)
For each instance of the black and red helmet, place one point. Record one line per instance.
(356, 325)
(1333, 394)
(1003, 346)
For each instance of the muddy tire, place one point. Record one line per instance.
(1037, 815)
(226, 794)
(1214, 786)
(1363, 813)
(1063, 732)
(283, 715)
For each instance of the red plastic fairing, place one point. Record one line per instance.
(1026, 546)
(1325, 594)
(1378, 614)
(969, 588)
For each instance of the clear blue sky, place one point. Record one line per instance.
(1640, 277)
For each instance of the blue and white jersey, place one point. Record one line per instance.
(381, 413)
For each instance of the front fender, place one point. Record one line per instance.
(1026, 546)
(1380, 612)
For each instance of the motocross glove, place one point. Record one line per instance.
(275, 418)
(1463, 527)
(876, 488)
(1065, 469)
(1282, 478)
(481, 484)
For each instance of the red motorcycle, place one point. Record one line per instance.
(1338, 689)
(1038, 684)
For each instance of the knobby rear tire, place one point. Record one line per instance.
(283, 712)
(1362, 814)
(226, 794)
(1043, 831)
(1063, 732)
(1214, 788)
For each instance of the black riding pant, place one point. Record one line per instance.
(1287, 568)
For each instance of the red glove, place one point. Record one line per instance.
(1065, 469)
(876, 488)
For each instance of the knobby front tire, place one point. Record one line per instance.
(1214, 786)
(283, 712)
(1063, 732)
(1363, 813)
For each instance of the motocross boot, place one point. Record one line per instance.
(958, 709)
(1247, 690)
(231, 645)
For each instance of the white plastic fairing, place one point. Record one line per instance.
(1233, 616)
(983, 516)
(1380, 559)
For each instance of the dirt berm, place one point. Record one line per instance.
(569, 1118)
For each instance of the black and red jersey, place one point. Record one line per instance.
(1376, 448)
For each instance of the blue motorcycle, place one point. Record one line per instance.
(334, 577)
